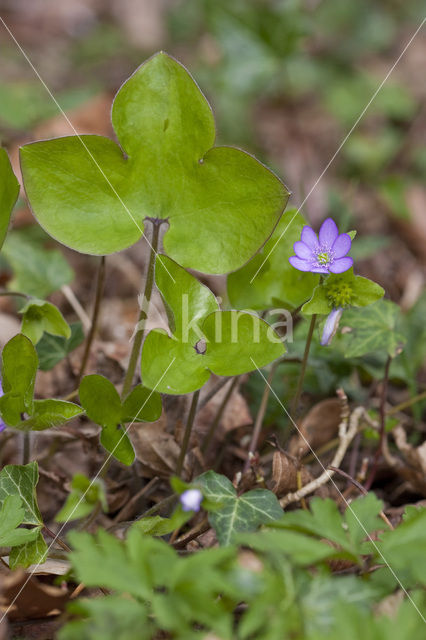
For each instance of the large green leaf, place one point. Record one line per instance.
(204, 339)
(40, 316)
(374, 328)
(18, 378)
(21, 481)
(31, 552)
(91, 196)
(50, 413)
(9, 191)
(103, 405)
(11, 516)
(232, 514)
(275, 281)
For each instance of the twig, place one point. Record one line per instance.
(137, 342)
(362, 490)
(126, 510)
(75, 304)
(26, 448)
(406, 404)
(203, 401)
(260, 416)
(187, 434)
(94, 322)
(295, 403)
(348, 428)
(57, 539)
(218, 416)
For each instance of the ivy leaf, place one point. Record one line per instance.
(277, 283)
(9, 191)
(92, 197)
(11, 516)
(234, 514)
(33, 552)
(19, 369)
(37, 270)
(40, 316)
(85, 495)
(52, 349)
(343, 290)
(373, 329)
(21, 481)
(102, 404)
(50, 413)
(205, 340)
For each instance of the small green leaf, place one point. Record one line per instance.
(33, 552)
(84, 497)
(40, 316)
(11, 516)
(50, 413)
(52, 349)
(234, 514)
(343, 290)
(372, 329)
(9, 191)
(205, 340)
(92, 195)
(268, 280)
(37, 270)
(19, 369)
(102, 404)
(21, 481)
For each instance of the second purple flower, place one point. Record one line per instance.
(325, 253)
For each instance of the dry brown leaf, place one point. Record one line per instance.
(317, 428)
(24, 599)
(235, 415)
(284, 474)
(414, 472)
(156, 450)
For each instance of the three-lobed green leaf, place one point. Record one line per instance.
(90, 196)
(204, 339)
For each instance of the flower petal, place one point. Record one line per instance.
(341, 245)
(302, 251)
(340, 265)
(322, 269)
(331, 326)
(328, 232)
(298, 263)
(309, 237)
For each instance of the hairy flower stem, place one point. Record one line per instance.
(137, 342)
(26, 449)
(100, 281)
(295, 403)
(218, 416)
(382, 432)
(187, 434)
(260, 415)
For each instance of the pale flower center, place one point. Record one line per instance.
(323, 257)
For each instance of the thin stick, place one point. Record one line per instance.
(15, 293)
(187, 434)
(406, 404)
(137, 342)
(382, 432)
(218, 416)
(260, 416)
(126, 510)
(296, 398)
(75, 304)
(60, 542)
(94, 324)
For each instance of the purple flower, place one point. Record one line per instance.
(331, 325)
(191, 499)
(2, 424)
(325, 253)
